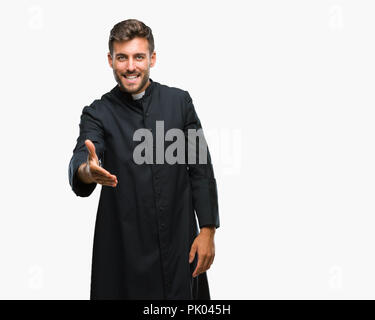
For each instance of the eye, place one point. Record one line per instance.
(139, 57)
(121, 58)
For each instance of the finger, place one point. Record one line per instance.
(105, 180)
(192, 253)
(100, 171)
(211, 261)
(91, 148)
(102, 180)
(208, 264)
(102, 175)
(205, 265)
(211, 257)
(105, 183)
(95, 169)
(198, 269)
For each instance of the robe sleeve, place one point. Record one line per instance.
(202, 179)
(91, 128)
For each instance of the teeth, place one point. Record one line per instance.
(131, 77)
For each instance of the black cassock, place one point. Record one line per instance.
(145, 226)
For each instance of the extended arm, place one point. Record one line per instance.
(84, 169)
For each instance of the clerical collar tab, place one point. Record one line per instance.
(138, 96)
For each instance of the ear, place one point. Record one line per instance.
(153, 59)
(110, 60)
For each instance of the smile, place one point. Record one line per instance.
(131, 78)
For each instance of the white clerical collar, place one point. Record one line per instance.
(138, 96)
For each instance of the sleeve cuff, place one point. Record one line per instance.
(80, 188)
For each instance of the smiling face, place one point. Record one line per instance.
(131, 63)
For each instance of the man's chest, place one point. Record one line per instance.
(127, 127)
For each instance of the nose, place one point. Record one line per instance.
(131, 65)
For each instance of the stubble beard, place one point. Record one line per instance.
(144, 79)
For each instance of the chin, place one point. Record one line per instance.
(130, 89)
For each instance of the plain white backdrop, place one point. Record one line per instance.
(285, 94)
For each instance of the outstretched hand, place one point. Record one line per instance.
(90, 171)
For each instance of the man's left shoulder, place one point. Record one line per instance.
(174, 93)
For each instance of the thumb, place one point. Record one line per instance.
(193, 250)
(91, 148)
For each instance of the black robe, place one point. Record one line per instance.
(145, 226)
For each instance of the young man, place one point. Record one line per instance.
(146, 243)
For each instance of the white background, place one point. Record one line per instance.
(285, 93)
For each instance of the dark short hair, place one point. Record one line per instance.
(130, 29)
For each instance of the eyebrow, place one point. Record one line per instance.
(136, 54)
